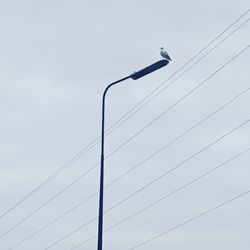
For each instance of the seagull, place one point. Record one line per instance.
(165, 54)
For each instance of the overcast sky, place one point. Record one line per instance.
(56, 57)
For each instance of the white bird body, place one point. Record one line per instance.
(165, 54)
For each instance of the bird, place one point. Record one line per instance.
(165, 54)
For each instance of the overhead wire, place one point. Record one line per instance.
(165, 196)
(150, 183)
(192, 219)
(178, 77)
(134, 167)
(96, 141)
(176, 103)
(127, 141)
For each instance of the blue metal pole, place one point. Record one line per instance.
(100, 220)
(135, 76)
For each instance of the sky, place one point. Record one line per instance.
(56, 59)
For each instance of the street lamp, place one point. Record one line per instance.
(135, 76)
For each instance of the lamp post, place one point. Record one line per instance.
(135, 76)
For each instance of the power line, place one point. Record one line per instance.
(184, 65)
(127, 141)
(150, 183)
(133, 168)
(192, 219)
(96, 141)
(50, 223)
(165, 196)
(175, 79)
(176, 103)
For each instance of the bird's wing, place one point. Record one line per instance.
(165, 55)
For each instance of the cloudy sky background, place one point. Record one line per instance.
(56, 59)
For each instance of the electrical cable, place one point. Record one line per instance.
(134, 167)
(96, 141)
(165, 196)
(150, 183)
(192, 219)
(127, 141)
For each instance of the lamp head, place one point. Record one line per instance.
(151, 68)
